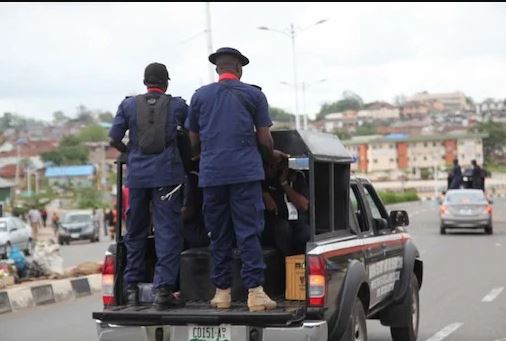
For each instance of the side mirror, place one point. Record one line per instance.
(399, 218)
(381, 224)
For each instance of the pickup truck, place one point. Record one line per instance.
(360, 263)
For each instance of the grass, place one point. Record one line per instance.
(395, 197)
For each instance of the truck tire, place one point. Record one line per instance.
(357, 326)
(410, 333)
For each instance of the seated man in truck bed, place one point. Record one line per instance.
(286, 193)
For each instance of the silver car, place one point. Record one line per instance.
(14, 232)
(466, 208)
(77, 225)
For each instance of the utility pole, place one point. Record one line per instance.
(209, 40)
(294, 62)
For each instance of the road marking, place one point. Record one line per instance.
(440, 335)
(503, 339)
(492, 294)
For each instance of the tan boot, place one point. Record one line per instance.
(222, 299)
(258, 300)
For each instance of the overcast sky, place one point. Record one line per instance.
(56, 56)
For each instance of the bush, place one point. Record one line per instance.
(394, 197)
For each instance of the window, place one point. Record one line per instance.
(433, 144)
(357, 208)
(425, 158)
(378, 211)
(425, 144)
(375, 161)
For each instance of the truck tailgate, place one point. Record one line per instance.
(286, 313)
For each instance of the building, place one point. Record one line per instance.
(379, 111)
(452, 101)
(71, 176)
(413, 154)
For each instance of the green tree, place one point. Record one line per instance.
(89, 197)
(106, 117)
(93, 133)
(280, 115)
(494, 143)
(69, 152)
(59, 117)
(84, 115)
(350, 101)
(366, 129)
(342, 134)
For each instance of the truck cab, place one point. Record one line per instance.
(359, 263)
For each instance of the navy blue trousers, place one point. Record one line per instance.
(168, 235)
(235, 209)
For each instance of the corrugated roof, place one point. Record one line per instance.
(84, 170)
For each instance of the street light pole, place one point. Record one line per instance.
(294, 65)
(209, 40)
(291, 34)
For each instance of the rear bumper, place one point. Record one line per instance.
(308, 331)
(465, 223)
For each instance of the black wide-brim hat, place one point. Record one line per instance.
(228, 51)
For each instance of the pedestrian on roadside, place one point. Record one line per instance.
(43, 214)
(55, 222)
(155, 177)
(225, 120)
(35, 221)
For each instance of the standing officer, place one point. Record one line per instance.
(225, 120)
(155, 175)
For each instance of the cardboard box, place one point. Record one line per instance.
(295, 278)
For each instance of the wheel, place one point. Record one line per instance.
(357, 327)
(409, 333)
(442, 230)
(61, 241)
(488, 229)
(29, 247)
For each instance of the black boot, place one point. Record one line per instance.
(165, 299)
(132, 298)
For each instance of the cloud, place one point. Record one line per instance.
(57, 56)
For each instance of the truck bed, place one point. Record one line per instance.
(287, 312)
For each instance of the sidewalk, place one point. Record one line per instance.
(31, 294)
(46, 291)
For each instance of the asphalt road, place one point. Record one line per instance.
(461, 297)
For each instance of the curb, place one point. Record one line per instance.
(52, 292)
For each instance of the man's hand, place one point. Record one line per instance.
(279, 156)
(270, 204)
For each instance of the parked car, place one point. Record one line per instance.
(466, 208)
(77, 225)
(360, 263)
(14, 232)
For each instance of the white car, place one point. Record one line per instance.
(14, 232)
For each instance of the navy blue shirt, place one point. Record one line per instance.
(154, 170)
(225, 115)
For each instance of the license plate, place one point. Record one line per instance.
(209, 333)
(466, 212)
(74, 235)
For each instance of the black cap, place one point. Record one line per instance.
(156, 73)
(228, 51)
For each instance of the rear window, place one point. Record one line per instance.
(81, 218)
(466, 198)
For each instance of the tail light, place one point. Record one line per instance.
(443, 209)
(488, 209)
(317, 281)
(108, 280)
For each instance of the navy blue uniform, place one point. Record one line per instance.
(225, 115)
(150, 178)
(289, 236)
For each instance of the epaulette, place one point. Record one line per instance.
(256, 86)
